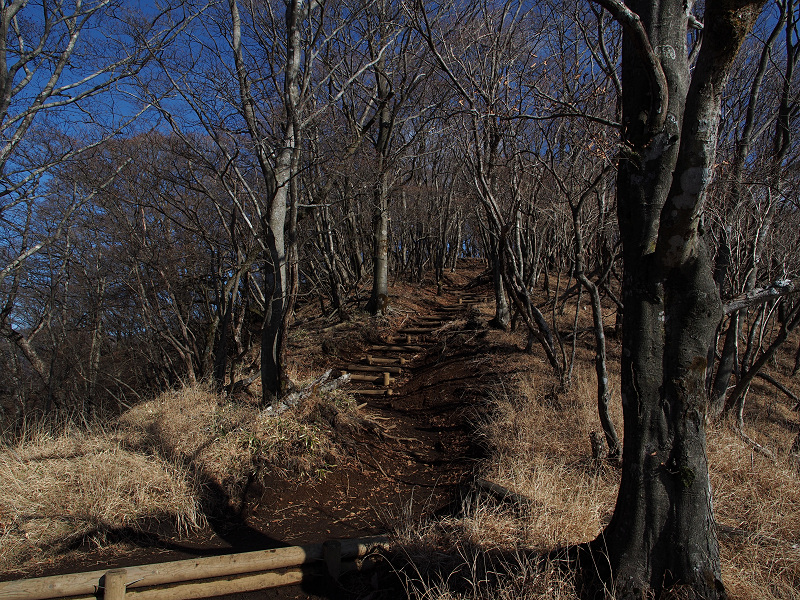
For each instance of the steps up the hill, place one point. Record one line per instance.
(382, 360)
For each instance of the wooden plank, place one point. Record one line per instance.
(380, 360)
(376, 378)
(237, 584)
(388, 348)
(373, 392)
(416, 330)
(404, 339)
(374, 369)
(87, 584)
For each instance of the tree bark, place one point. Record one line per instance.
(380, 266)
(662, 535)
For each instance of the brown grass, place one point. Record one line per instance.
(757, 505)
(230, 444)
(539, 448)
(72, 486)
(63, 488)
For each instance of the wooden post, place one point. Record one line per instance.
(386, 378)
(114, 584)
(369, 360)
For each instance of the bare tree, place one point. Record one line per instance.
(54, 76)
(662, 534)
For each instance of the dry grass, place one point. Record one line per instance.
(155, 467)
(757, 505)
(542, 452)
(229, 444)
(64, 488)
(539, 448)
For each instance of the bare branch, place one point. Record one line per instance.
(777, 289)
(632, 24)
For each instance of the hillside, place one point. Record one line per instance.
(470, 407)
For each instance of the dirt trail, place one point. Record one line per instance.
(416, 459)
(413, 462)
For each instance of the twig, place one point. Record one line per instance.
(501, 493)
(754, 444)
(781, 387)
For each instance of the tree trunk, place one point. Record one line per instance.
(662, 535)
(601, 369)
(502, 311)
(380, 267)
(727, 364)
(275, 272)
(380, 273)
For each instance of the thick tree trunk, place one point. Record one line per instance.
(379, 298)
(662, 535)
(275, 270)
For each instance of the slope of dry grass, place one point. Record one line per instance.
(539, 448)
(62, 488)
(230, 444)
(156, 467)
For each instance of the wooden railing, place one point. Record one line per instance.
(198, 578)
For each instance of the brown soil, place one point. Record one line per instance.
(413, 464)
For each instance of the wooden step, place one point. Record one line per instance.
(372, 369)
(417, 330)
(373, 392)
(382, 379)
(389, 348)
(404, 339)
(379, 360)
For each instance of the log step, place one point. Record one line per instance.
(372, 369)
(405, 339)
(378, 360)
(418, 330)
(396, 348)
(381, 379)
(373, 392)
